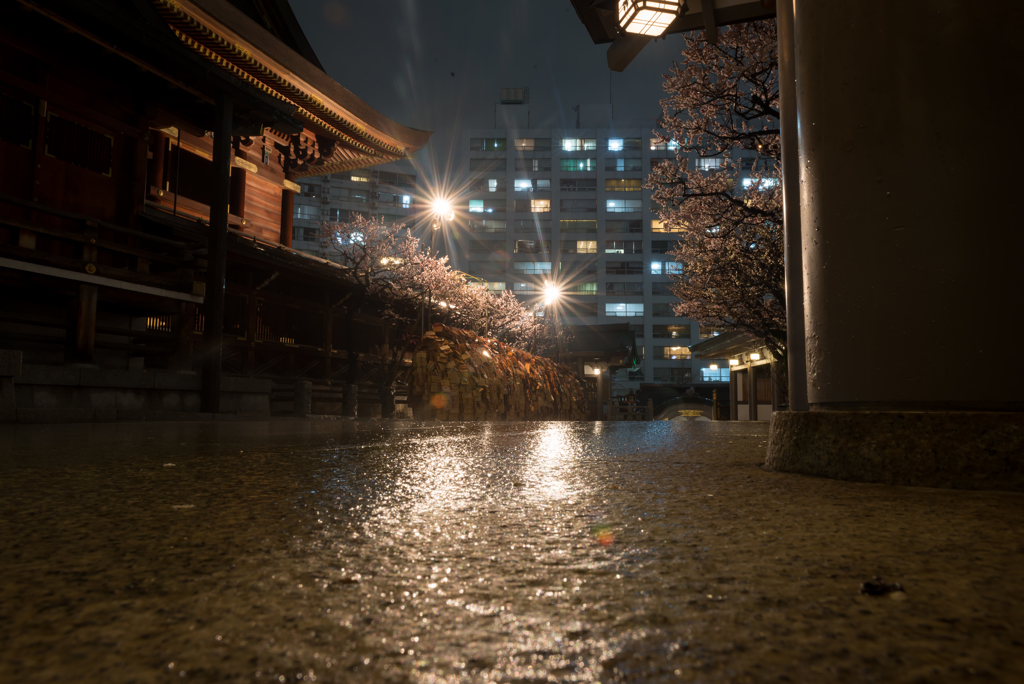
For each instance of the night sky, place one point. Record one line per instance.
(439, 64)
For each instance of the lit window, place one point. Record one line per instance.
(578, 164)
(720, 374)
(406, 201)
(524, 287)
(615, 144)
(673, 267)
(576, 144)
(476, 206)
(360, 179)
(586, 246)
(618, 206)
(710, 163)
(623, 309)
(656, 268)
(533, 144)
(658, 145)
(758, 184)
(540, 205)
(492, 185)
(622, 185)
(524, 185)
(675, 353)
(494, 286)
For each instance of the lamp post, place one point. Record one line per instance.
(552, 293)
(441, 211)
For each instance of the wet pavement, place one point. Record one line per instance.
(515, 552)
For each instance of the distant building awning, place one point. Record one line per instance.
(349, 134)
(732, 343)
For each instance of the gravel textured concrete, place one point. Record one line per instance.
(529, 552)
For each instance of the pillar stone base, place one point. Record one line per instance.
(947, 449)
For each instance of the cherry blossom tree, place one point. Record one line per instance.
(392, 274)
(723, 108)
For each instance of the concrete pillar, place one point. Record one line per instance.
(904, 230)
(795, 345)
(213, 330)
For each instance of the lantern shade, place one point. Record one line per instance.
(647, 17)
(734, 362)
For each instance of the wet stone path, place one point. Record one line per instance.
(522, 552)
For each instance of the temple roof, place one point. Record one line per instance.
(350, 133)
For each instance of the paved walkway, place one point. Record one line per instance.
(614, 552)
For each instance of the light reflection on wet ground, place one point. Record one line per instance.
(358, 552)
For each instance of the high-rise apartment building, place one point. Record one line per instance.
(568, 207)
(388, 191)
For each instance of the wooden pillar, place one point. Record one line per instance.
(136, 187)
(752, 391)
(85, 328)
(734, 395)
(237, 203)
(287, 209)
(183, 326)
(158, 146)
(213, 331)
(328, 340)
(251, 316)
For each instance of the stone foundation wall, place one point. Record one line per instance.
(948, 449)
(63, 394)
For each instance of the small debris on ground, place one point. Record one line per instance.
(876, 587)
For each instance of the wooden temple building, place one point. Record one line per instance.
(149, 152)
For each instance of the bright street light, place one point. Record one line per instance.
(442, 209)
(551, 293)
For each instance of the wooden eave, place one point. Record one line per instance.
(250, 53)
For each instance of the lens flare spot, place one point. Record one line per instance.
(439, 401)
(603, 534)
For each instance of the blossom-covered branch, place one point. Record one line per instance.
(724, 99)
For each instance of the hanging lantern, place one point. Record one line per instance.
(647, 17)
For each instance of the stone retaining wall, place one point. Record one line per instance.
(74, 394)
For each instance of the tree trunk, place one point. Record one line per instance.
(352, 373)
